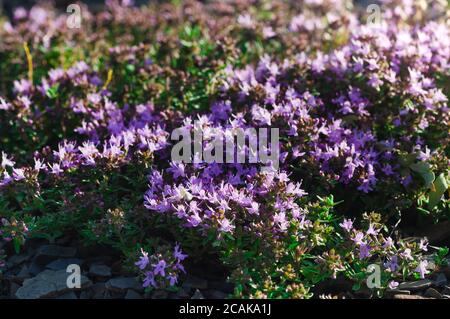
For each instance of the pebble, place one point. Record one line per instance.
(409, 297)
(160, 294)
(446, 290)
(393, 292)
(123, 283)
(432, 293)
(68, 295)
(441, 280)
(47, 284)
(197, 295)
(99, 270)
(61, 264)
(15, 260)
(48, 253)
(415, 285)
(216, 294)
(131, 294)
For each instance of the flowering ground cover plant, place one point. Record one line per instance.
(88, 115)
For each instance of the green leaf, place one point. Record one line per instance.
(52, 92)
(17, 244)
(438, 189)
(424, 169)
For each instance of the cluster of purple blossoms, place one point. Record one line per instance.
(358, 113)
(372, 246)
(344, 131)
(161, 269)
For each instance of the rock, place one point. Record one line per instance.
(68, 295)
(13, 289)
(195, 283)
(35, 269)
(415, 285)
(99, 270)
(23, 274)
(409, 297)
(432, 293)
(197, 295)
(441, 280)
(182, 294)
(123, 283)
(16, 260)
(86, 294)
(48, 253)
(216, 294)
(98, 291)
(446, 290)
(131, 294)
(48, 284)
(61, 264)
(393, 292)
(160, 294)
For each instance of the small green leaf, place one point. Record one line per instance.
(424, 169)
(438, 189)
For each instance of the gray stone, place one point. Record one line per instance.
(182, 294)
(23, 273)
(15, 260)
(48, 253)
(432, 293)
(415, 285)
(12, 289)
(35, 269)
(68, 295)
(131, 294)
(197, 295)
(99, 291)
(446, 290)
(86, 294)
(99, 270)
(195, 283)
(216, 294)
(409, 297)
(123, 283)
(393, 292)
(61, 264)
(48, 284)
(441, 280)
(160, 294)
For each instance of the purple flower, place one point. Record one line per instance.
(393, 284)
(358, 238)
(149, 280)
(392, 264)
(178, 254)
(372, 231)
(364, 251)
(423, 244)
(226, 226)
(143, 260)
(388, 243)
(422, 268)
(160, 268)
(347, 225)
(406, 254)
